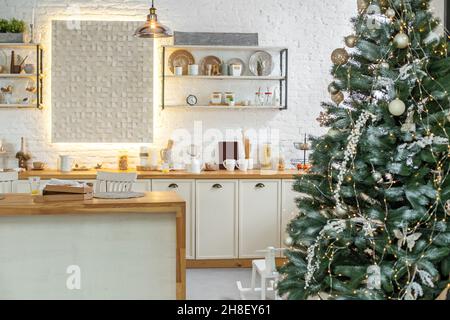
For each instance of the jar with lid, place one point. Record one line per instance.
(144, 157)
(123, 160)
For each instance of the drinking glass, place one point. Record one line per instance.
(34, 185)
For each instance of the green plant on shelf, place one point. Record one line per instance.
(12, 26)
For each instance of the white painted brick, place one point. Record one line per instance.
(310, 28)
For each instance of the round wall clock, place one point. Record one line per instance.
(191, 100)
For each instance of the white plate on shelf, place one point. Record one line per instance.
(266, 59)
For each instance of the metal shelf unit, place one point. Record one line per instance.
(38, 76)
(282, 78)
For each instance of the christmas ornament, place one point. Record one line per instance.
(351, 41)
(384, 65)
(362, 5)
(289, 241)
(377, 176)
(401, 40)
(390, 13)
(447, 208)
(340, 56)
(338, 98)
(374, 277)
(324, 119)
(409, 125)
(397, 107)
(406, 238)
(332, 89)
(340, 210)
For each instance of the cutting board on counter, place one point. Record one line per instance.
(53, 193)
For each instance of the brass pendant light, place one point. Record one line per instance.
(152, 28)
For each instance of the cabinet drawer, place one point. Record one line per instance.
(216, 219)
(186, 189)
(259, 216)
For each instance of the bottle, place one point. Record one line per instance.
(123, 160)
(144, 157)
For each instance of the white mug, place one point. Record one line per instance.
(242, 165)
(251, 164)
(230, 164)
(193, 70)
(236, 70)
(178, 71)
(65, 164)
(195, 166)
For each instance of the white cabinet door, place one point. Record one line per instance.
(186, 189)
(259, 216)
(142, 186)
(289, 208)
(216, 219)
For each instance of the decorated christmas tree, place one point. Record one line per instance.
(373, 219)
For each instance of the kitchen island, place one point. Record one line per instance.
(94, 249)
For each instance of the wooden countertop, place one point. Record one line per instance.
(214, 175)
(24, 204)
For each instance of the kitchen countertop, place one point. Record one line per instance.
(24, 204)
(214, 175)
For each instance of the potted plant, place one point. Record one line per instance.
(11, 31)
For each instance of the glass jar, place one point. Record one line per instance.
(144, 157)
(123, 160)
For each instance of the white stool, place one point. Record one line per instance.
(259, 267)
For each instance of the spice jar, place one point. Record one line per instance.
(123, 160)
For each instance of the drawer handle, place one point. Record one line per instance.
(173, 186)
(217, 186)
(260, 185)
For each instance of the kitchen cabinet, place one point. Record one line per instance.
(289, 208)
(142, 186)
(186, 189)
(216, 219)
(259, 216)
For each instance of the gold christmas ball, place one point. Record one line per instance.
(289, 241)
(340, 56)
(401, 40)
(338, 97)
(332, 89)
(362, 5)
(351, 41)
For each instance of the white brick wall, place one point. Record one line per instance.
(310, 28)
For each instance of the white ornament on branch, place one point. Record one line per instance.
(374, 277)
(406, 238)
(409, 125)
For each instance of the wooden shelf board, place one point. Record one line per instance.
(20, 75)
(223, 107)
(17, 106)
(19, 45)
(232, 48)
(226, 77)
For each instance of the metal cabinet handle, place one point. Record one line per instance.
(260, 185)
(173, 186)
(217, 186)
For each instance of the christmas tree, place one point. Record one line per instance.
(373, 218)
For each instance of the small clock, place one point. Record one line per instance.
(191, 100)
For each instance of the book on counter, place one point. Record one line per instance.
(70, 192)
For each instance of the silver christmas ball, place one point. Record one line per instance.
(289, 241)
(377, 176)
(384, 65)
(351, 41)
(390, 13)
(341, 211)
(332, 89)
(401, 40)
(397, 107)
